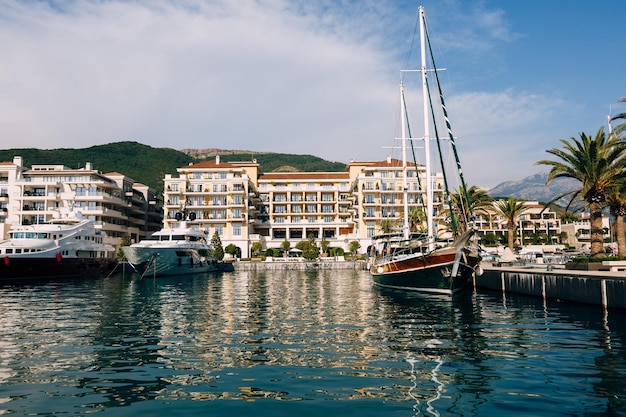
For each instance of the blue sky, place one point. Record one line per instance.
(306, 76)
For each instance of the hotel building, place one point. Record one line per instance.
(118, 204)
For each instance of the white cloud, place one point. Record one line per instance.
(296, 76)
(253, 75)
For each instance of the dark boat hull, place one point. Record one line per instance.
(37, 268)
(434, 273)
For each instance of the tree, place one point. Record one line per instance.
(126, 241)
(218, 250)
(324, 244)
(233, 250)
(598, 163)
(285, 246)
(415, 219)
(355, 245)
(386, 226)
(256, 248)
(309, 248)
(510, 209)
(479, 199)
(621, 127)
(616, 201)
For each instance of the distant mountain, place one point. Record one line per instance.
(534, 188)
(270, 161)
(149, 165)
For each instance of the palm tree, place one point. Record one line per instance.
(415, 219)
(616, 201)
(620, 128)
(386, 226)
(479, 200)
(510, 209)
(598, 163)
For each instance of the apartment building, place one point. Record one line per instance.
(118, 205)
(216, 196)
(535, 220)
(378, 195)
(303, 204)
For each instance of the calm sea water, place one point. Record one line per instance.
(300, 343)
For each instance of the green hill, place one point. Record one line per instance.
(149, 165)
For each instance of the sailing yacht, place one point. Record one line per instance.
(420, 262)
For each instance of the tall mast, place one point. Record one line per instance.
(429, 185)
(405, 189)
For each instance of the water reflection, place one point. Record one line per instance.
(314, 338)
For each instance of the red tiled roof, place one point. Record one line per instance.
(209, 164)
(304, 176)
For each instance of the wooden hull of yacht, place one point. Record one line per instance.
(430, 273)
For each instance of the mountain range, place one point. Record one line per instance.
(149, 165)
(534, 188)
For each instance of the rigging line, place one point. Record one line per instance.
(451, 136)
(443, 165)
(419, 182)
(410, 50)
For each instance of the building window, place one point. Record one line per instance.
(370, 230)
(295, 219)
(311, 208)
(236, 213)
(237, 199)
(369, 212)
(236, 230)
(311, 219)
(327, 208)
(328, 219)
(280, 220)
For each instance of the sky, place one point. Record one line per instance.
(315, 77)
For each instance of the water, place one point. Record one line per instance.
(300, 343)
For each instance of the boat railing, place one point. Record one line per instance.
(394, 253)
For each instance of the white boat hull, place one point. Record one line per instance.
(162, 261)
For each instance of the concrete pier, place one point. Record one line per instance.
(604, 288)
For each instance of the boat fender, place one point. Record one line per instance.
(478, 270)
(192, 216)
(179, 216)
(380, 270)
(59, 257)
(6, 261)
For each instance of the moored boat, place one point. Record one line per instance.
(69, 246)
(176, 251)
(421, 262)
